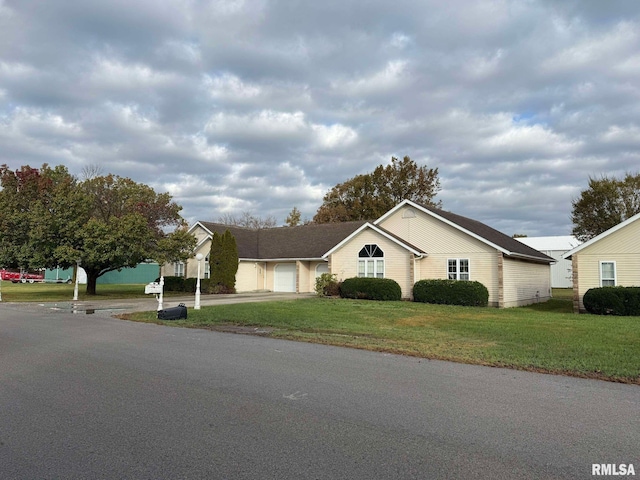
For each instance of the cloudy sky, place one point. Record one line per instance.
(261, 105)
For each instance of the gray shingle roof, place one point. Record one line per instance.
(304, 241)
(490, 234)
(314, 240)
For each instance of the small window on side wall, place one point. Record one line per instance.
(608, 274)
(458, 269)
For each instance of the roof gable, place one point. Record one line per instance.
(478, 230)
(602, 236)
(385, 233)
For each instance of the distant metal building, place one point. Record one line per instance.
(555, 247)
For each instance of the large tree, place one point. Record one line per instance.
(368, 196)
(604, 204)
(105, 223)
(39, 210)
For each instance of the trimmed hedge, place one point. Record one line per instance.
(622, 301)
(173, 284)
(451, 292)
(188, 285)
(368, 288)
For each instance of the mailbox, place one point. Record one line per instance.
(153, 287)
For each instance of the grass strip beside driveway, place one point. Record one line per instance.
(543, 338)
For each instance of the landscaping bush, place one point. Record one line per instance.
(451, 292)
(368, 288)
(623, 301)
(327, 285)
(173, 284)
(190, 285)
(220, 289)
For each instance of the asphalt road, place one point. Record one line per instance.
(92, 397)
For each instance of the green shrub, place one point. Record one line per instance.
(173, 284)
(370, 288)
(327, 285)
(623, 301)
(190, 285)
(220, 289)
(451, 292)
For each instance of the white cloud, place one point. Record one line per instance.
(254, 105)
(394, 75)
(334, 136)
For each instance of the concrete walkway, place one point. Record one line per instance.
(113, 307)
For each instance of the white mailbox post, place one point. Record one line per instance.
(156, 288)
(196, 306)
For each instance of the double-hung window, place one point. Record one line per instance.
(178, 269)
(207, 267)
(607, 274)
(371, 262)
(458, 269)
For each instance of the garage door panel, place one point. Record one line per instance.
(285, 277)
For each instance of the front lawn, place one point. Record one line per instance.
(545, 337)
(60, 292)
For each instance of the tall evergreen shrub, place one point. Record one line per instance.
(223, 262)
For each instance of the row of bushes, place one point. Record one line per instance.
(188, 285)
(447, 292)
(624, 301)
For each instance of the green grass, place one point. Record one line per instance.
(545, 337)
(58, 292)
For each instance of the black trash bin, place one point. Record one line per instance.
(173, 313)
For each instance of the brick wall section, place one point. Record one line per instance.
(576, 284)
(500, 280)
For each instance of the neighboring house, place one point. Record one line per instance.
(555, 247)
(609, 259)
(409, 243)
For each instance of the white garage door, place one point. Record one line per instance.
(285, 277)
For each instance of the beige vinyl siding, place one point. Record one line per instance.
(249, 276)
(432, 235)
(201, 235)
(483, 268)
(621, 247)
(624, 240)
(442, 242)
(304, 276)
(344, 262)
(525, 282)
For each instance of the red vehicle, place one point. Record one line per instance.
(23, 277)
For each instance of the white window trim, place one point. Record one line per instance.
(458, 260)
(207, 267)
(178, 269)
(375, 260)
(615, 272)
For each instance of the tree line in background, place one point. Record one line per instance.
(607, 202)
(50, 218)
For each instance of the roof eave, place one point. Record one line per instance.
(531, 258)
